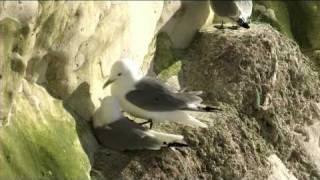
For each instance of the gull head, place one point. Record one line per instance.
(123, 71)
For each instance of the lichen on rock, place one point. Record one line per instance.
(40, 138)
(165, 62)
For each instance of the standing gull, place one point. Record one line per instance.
(148, 98)
(239, 11)
(117, 132)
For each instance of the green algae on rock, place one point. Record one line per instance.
(37, 134)
(164, 55)
(299, 20)
(40, 141)
(274, 13)
(165, 63)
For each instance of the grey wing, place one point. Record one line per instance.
(125, 134)
(245, 7)
(153, 95)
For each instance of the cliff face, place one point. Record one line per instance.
(299, 20)
(55, 56)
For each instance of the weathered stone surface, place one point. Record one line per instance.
(39, 140)
(279, 170)
(67, 48)
(186, 22)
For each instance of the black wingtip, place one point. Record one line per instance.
(243, 24)
(211, 109)
(246, 25)
(175, 144)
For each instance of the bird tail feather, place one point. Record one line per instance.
(206, 108)
(168, 139)
(193, 122)
(202, 108)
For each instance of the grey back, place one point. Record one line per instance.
(124, 134)
(152, 95)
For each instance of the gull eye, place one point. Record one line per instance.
(119, 74)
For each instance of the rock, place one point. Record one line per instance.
(55, 56)
(68, 49)
(297, 20)
(165, 62)
(234, 68)
(182, 27)
(88, 46)
(275, 13)
(279, 170)
(40, 140)
(265, 77)
(305, 20)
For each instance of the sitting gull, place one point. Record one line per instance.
(117, 132)
(148, 98)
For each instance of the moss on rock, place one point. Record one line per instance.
(166, 63)
(305, 20)
(274, 13)
(38, 137)
(41, 141)
(299, 20)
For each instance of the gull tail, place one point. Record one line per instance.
(182, 117)
(194, 102)
(202, 108)
(167, 140)
(209, 108)
(190, 121)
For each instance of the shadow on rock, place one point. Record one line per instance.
(81, 107)
(162, 164)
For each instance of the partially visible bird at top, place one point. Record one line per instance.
(236, 10)
(117, 132)
(148, 98)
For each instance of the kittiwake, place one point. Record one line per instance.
(237, 10)
(117, 132)
(148, 98)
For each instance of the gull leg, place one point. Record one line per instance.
(221, 26)
(151, 123)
